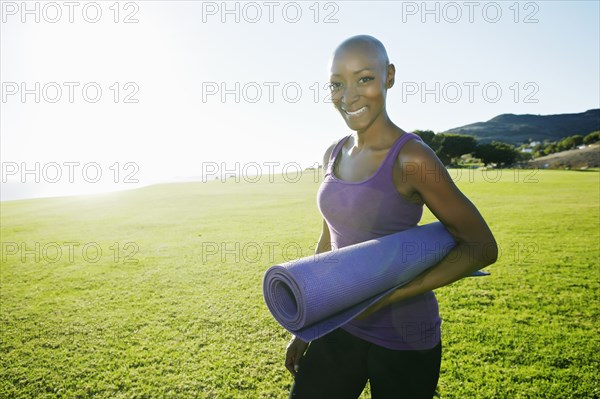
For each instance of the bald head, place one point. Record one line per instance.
(363, 45)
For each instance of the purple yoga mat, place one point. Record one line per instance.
(314, 295)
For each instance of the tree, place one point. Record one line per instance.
(550, 149)
(592, 137)
(537, 149)
(502, 154)
(569, 142)
(454, 145)
(427, 136)
(485, 152)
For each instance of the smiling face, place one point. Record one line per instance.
(360, 77)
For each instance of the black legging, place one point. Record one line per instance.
(338, 365)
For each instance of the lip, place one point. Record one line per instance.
(355, 113)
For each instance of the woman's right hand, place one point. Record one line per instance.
(294, 352)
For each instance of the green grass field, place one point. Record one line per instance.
(156, 292)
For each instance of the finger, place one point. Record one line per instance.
(291, 370)
(289, 365)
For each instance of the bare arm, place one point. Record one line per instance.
(324, 243)
(476, 246)
(296, 347)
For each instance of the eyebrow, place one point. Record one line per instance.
(355, 72)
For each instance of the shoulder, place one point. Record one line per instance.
(416, 158)
(328, 152)
(414, 150)
(330, 149)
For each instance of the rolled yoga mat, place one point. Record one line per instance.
(314, 295)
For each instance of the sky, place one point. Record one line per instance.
(100, 96)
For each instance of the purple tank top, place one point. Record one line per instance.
(360, 211)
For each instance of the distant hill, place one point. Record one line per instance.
(517, 129)
(571, 159)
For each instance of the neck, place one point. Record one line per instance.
(381, 133)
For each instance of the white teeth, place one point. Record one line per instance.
(356, 112)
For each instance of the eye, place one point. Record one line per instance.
(365, 79)
(334, 85)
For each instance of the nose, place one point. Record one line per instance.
(346, 95)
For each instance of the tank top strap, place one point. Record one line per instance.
(392, 154)
(334, 153)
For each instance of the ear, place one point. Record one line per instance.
(391, 74)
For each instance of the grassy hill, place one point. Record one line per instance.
(161, 297)
(517, 129)
(570, 159)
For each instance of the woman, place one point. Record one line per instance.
(376, 183)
